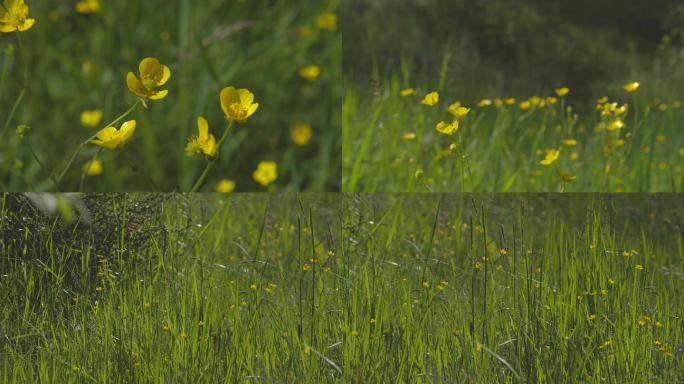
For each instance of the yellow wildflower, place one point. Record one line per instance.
(639, 267)
(409, 135)
(238, 104)
(569, 142)
(310, 72)
(301, 133)
(431, 99)
(562, 91)
(660, 138)
(574, 156)
(551, 156)
(112, 138)
(266, 173)
(525, 105)
(602, 100)
(484, 103)
(551, 100)
(88, 6)
(93, 168)
(631, 87)
(14, 16)
(615, 125)
(327, 21)
(535, 100)
(204, 142)
(446, 128)
(592, 317)
(91, 118)
(458, 111)
(153, 74)
(510, 100)
(407, 92)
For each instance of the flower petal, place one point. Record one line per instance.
(228, 96)
(149, 66)
(166, 74)
(135, 86)
(246, 97)
(203, 128)
(158, 95)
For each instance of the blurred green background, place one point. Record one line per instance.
(78, 62)
(517, 47)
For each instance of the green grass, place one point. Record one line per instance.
(308, 288)
(499, 149)
(70, 62)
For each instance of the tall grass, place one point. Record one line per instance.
(391, 143)
(294, 288)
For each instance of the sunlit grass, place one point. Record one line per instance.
(393, 288)
(396, 140)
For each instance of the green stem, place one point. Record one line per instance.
(212, 162)
(40, 163)
(83, 144)
(23, 88)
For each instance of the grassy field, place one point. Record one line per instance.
(370, 288)
(391, 142)
(76, 58)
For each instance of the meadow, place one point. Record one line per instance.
(369, 288)
(481, 101)
(73, 71)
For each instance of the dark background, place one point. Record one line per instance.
(516, 46)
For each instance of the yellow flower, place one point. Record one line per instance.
(615, 125)
(569, 142)
(602, 100)
(681, 151)
(409, 135)
(510, 100)
(266, 173)
(431, 99)
(238, 104)
(551, 157)
(535, 100)
(446, 128)
(88, 6)
(14, 16)
(484, 103)
(639, 267)
(551, 100)
(592, 317)
(93, 168)
(153, 74)
(631, 87)
(407, 92)
(301, 133)
(204, 142)
(525, 105)
(327, 21)
(660, 138)
(310, 72)
(91, 118)
(562, 91)
(112, 138)
(457, 110)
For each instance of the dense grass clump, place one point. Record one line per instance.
(294, 288)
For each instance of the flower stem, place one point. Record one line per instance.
(212, 162)
(23, 88)
(83, 144)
